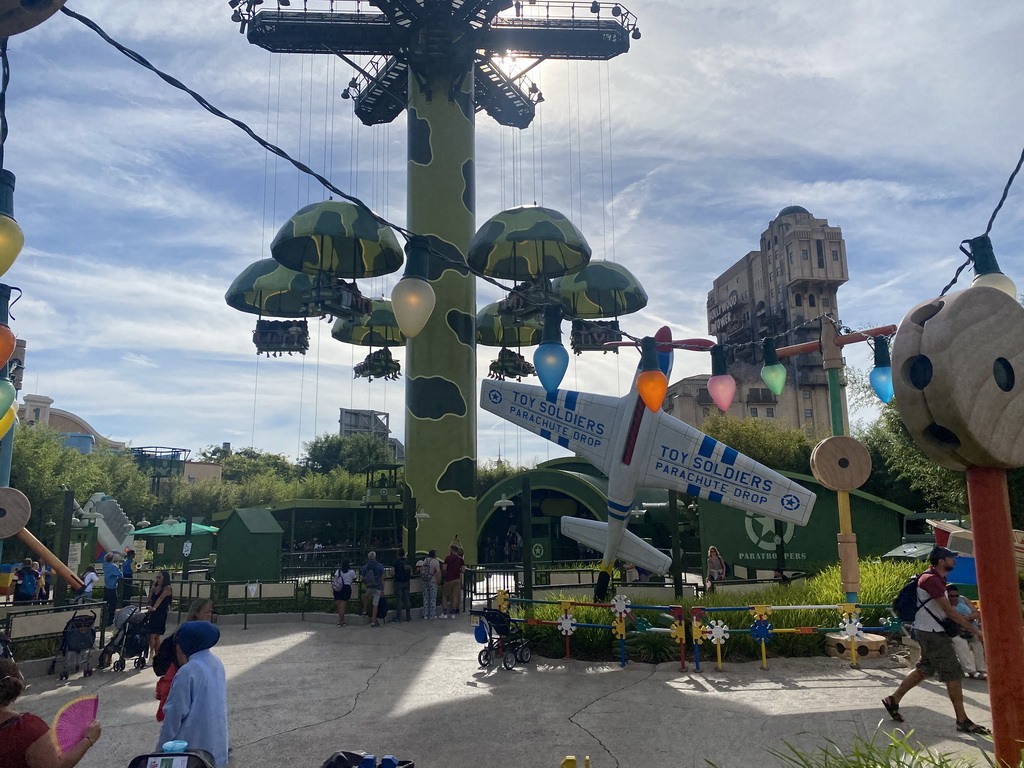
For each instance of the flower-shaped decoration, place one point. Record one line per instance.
(566, 624)
(850, 627)
(501, 600)
(619, 627)
(620, 605)
(717, 631)
(678, 632)
(565, 606)
(760, 612)
(761, 631)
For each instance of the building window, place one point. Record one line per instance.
(790, 257)
(769, 412)
(811, 300)
(808, 413)
(835, 255)
(805, 254)
(825, 301)
(753, 412)
(798, 299)
(821, 254)
(807, 394)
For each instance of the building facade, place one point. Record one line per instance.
(779, 291)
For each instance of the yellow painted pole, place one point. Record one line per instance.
(49, 558)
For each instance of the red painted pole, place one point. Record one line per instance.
(999, 592)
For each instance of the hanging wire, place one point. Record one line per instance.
(1006, 191)
(5, 80)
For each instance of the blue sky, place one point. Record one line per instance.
(898, 122)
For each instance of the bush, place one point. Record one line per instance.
(880, 581)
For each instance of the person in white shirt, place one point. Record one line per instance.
(89, 578)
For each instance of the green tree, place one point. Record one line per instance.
(125, 482)
(324, 453)
(777, 447)
(244, 463)
(353, 453)
(490, 473)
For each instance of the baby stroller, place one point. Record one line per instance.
(130, 640)
(505, 640)
(194, 758)
(76, 644)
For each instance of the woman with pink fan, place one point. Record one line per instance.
(27, 742)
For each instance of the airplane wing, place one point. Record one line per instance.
(686, 459)
(582, 422)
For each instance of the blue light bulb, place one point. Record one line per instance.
(881, 382)
(551, 361)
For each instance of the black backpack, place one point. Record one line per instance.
(905, 605)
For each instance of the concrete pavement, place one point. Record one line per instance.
(300, 690)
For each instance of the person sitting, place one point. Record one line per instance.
(969, 649)
(26, 740)
(716, 567)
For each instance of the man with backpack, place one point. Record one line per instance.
(373, 581)
(402, 576)
(26, 582)
(934, 621)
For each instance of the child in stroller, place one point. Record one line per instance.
(130, 640)
(76, 644)
(505, 639)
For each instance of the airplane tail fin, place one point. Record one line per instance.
(632, 549)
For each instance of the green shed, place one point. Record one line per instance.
(249, 546)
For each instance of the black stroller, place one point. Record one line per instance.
(194, 758)
(76, 642)
(131, 640)
(505, 640)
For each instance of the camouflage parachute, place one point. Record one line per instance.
(267, 288)
(528, 242)
(338, 238)
(500, 329)
(601, 289)
(377, 329)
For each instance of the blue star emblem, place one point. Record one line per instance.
(494, 396)
(790, 502)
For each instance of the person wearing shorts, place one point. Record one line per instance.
(938, 656)
(341, 585)
(373, 580)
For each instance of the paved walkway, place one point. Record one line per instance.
(300, 690)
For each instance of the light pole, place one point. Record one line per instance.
(829, 345)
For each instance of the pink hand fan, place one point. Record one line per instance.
(71, 721)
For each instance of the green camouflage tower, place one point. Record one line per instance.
(437, 58)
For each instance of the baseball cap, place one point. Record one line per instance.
(940, 552)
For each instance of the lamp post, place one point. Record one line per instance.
(829, 346)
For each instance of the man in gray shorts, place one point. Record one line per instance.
(938, 656)
(373, 581)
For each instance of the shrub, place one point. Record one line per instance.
(880, 581)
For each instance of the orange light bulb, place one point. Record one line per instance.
(652, 387)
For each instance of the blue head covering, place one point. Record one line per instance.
(196, 636)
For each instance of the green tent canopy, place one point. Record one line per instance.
(177, 529)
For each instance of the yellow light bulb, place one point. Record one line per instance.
(12, 240)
